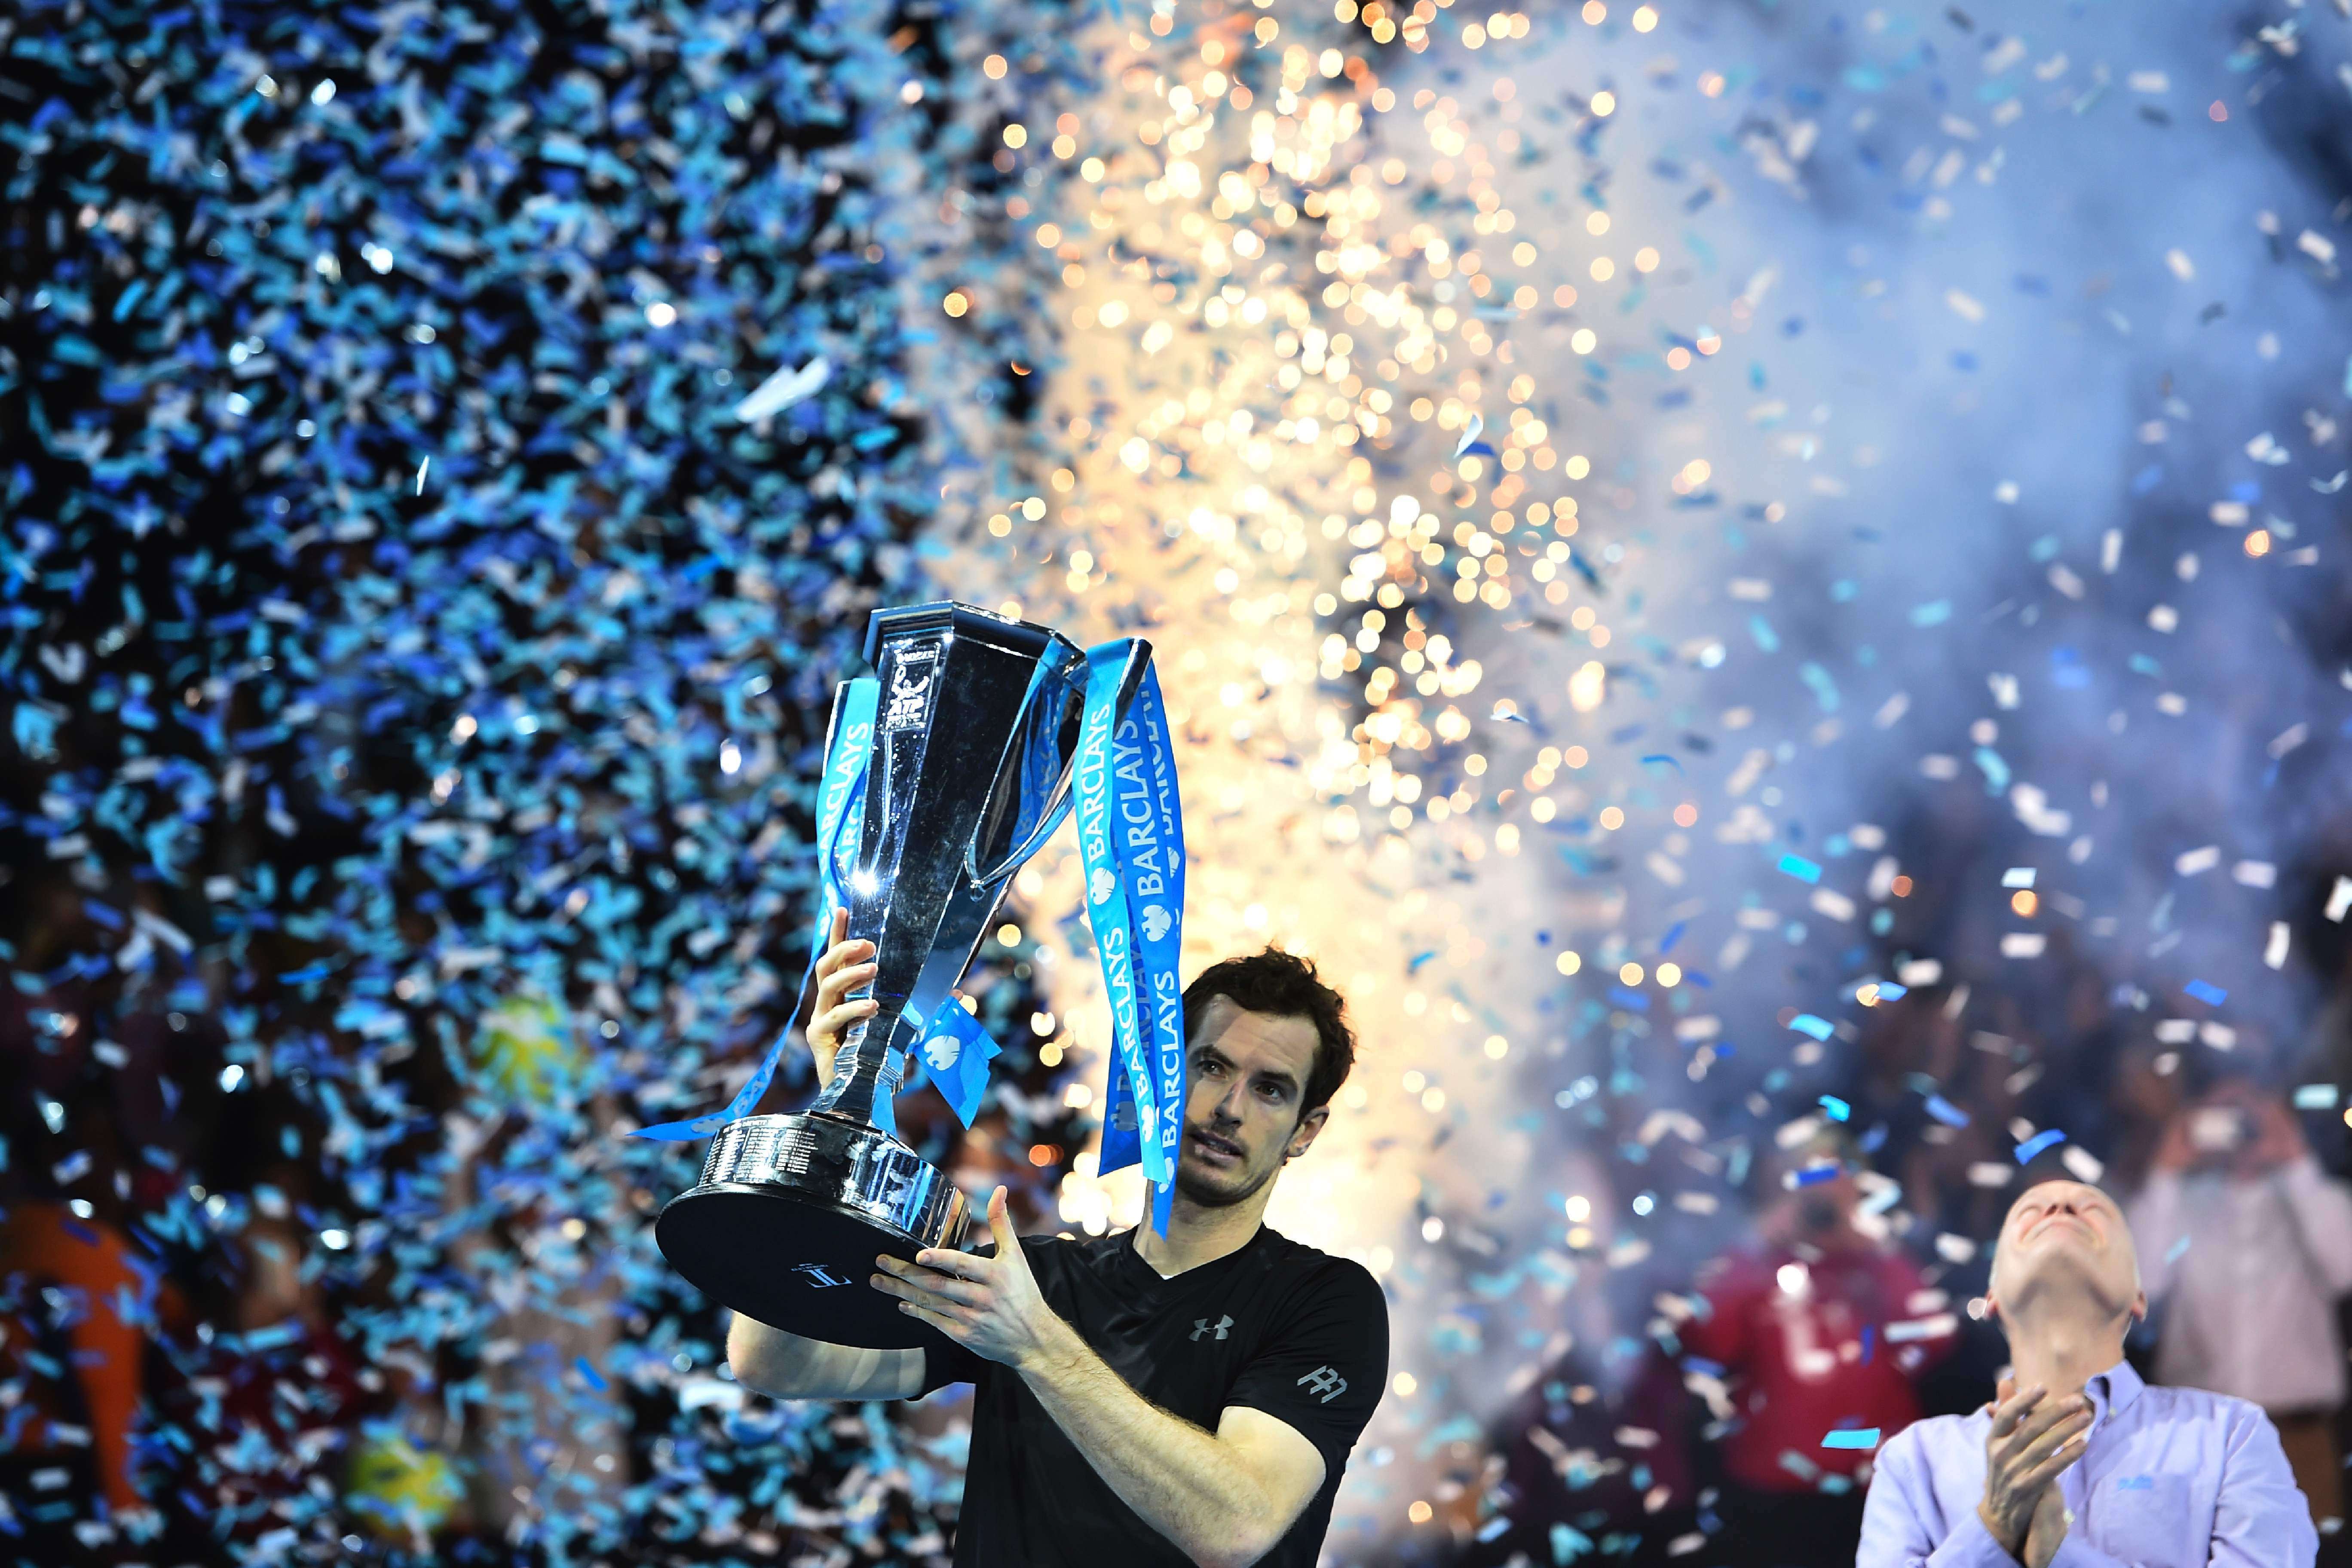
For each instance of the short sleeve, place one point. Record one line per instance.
(1324, 1363)
(946, 1362)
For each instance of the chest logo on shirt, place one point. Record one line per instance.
(1324, 1380)
(1201, 1326)
(819, 1276)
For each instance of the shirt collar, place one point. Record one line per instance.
(2111, 1392)
(1145, 1270)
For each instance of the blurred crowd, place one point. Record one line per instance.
(227, 1335)
(186, 1375)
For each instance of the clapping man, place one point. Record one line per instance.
(2077, 1463)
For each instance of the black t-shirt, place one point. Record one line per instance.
(1274, 1326)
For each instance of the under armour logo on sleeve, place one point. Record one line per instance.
(1201, 1326)
(1325, 1382)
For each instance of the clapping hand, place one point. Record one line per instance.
(2032, 1438)
(2048, 1529)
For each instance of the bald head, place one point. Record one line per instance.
(2065, 1247)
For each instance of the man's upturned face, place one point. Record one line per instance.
(1248, 1077)
(2066, 1236)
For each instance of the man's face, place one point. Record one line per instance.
(1825, 1209)
(1248, 1073)
(2066, 1236)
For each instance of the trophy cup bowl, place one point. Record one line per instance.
(974, 740)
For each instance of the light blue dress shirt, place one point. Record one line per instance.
(2173, 1478)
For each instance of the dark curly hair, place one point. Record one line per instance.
(1285, 985)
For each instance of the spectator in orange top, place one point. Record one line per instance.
(93, 1272)
(77, 1294)
(1820, 1323)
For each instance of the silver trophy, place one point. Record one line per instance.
(975, 737)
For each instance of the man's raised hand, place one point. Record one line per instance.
(2031, 1439)
(844, 967)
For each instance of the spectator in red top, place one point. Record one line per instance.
(1820, 1323)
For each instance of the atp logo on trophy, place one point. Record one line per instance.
(911, 695)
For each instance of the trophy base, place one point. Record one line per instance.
(787, 1219)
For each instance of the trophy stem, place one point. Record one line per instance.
(865, 1069)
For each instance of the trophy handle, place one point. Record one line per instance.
(1016, 791)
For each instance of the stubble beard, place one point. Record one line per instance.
(1207, 1192)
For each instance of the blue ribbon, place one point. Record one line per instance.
(955, 1052)
(1106, 893)
(841, 809)
(1131, 844)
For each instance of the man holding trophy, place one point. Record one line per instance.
(1187, 1391)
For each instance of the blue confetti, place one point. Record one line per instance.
(1824, 688)
(412, 630)
(2038, 1143)
(1851, 1437)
